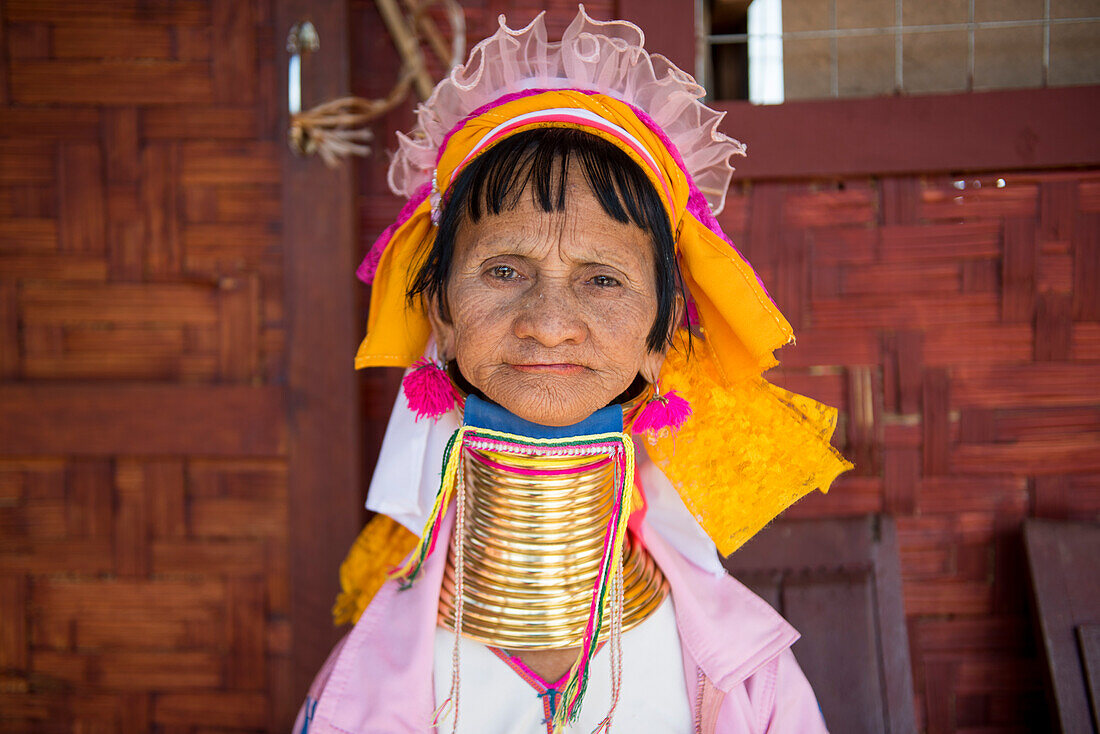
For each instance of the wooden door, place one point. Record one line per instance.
(179, 468)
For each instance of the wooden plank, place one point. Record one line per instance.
(842, 543)
(82, 199)
(979, 344)
(5, 94)
(864, 420)
(1062, 559)
(981, 276)
(944, 202)
(247, 619)
(1005, 130)
(55, 555)
(918, 311)
(120, 144)
(50, 303)
(324, 477)
(1018, 270)
(111, 82)
(14, 641)
(893, 643)
(945, 242)
(228, 517)
(848, 204)
(1088, 639)
(950, 494)
(900, 200)
(892, 278)
(1086, 267)
(42, 124)
(1053, 327)
(231, 557)
(89, 502)
(792, 276)
(187, 599)
(909, 355)
(901, 472)
(935, 422)
(29, 234)
(28, 41)
(132, 670)
(234, 52)
(766, 223)
(1058, 455)
(119, 40)
(215, 709)
(846, 245)
(9, 330)
(54, 267)
(131, 525)
(193, 43)
(839, 608)
(164, 483)
(238, 324)
(241, 203)
(1037, 385)
(125, 233)
(198, 123)
(1057, 209)
(135, 420)
(160, 166)
(230, 163)
(108, 12)
(28, 161)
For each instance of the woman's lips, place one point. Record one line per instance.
(558, 368)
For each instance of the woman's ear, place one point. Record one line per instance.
(651, 365)
(442, 329)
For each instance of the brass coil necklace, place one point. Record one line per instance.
(534, 535)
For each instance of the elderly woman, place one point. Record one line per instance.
(558, 285)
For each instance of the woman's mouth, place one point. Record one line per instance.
(555, 368)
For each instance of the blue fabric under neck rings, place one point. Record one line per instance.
(483, 414)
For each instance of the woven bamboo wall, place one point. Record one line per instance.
(958, 329)
(143, 528)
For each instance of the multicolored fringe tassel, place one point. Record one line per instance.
(619, 447)
(407, 572)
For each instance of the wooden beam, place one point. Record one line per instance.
(94, 419)
(323, 329)
(977, 131)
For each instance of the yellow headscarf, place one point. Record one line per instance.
(750, 448)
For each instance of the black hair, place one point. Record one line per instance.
(539, 158)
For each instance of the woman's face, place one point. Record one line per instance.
(549, 312)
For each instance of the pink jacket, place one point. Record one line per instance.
(378, 679)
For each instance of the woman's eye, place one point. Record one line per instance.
(503, 272)
(605, 281)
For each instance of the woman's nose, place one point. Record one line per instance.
(550, 315)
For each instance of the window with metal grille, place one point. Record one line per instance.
(769, 51)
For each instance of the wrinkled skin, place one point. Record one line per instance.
(548, 313)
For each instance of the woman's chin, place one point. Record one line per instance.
(550, 407)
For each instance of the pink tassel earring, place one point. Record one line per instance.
(662, 415)
(428, 389)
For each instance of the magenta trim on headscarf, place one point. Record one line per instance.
(366, 270)
(696, 204)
